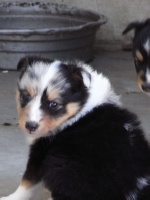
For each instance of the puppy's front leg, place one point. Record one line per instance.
(30, 182)
(24, 192)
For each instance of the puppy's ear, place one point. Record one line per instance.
(132, 26)
(86, 78)
(79, 76)
(23, 64)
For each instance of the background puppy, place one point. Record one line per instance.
(83, 144)
(141, 52)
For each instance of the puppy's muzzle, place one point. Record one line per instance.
(31, 126)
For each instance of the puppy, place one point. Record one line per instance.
(83, 144)
(141, 52)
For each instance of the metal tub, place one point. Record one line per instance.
(49, 30)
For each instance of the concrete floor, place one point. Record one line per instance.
(115, 64)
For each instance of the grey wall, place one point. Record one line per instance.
(118, 12)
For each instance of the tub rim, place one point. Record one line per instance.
(68, 10)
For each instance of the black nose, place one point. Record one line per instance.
(31, 126)
(146, 87)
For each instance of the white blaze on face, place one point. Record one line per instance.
(35, 113)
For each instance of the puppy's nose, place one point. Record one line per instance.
(31, 126)
(146, 87)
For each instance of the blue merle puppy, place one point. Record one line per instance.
(83, 144)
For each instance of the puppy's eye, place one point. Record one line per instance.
(24, 98)
(53, 105)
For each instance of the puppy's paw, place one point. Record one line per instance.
(12, 197)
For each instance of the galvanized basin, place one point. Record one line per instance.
(49, 30)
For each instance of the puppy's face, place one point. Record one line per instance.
(141, 53)
(49, 94)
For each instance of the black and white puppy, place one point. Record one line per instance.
(141, 52)
(83, 144)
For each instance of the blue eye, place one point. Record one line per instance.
(53, 105)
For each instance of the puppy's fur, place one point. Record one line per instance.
(83, 144)
(141, 52)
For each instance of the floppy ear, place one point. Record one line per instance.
(82, 77)
(132, 26)
(86, 78)
(23, 64)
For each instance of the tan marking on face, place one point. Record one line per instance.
(139, 56)
(49, 123)
(26, 183)
(31, 91)
(17, 97)
(139, 80)
(17, 100)
(22, 112)
(53, 95)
